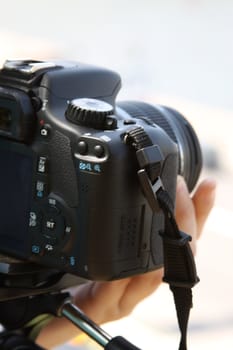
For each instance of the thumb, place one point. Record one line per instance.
(203, 201)
(184, 211)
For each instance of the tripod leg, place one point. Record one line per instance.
(76, 316)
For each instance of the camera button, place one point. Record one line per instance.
(50, 239)
(45, 130)
(82, 147)
(42, 165)
(49, 248)
(50, 224)
(33, 219)
(52, 202)
(36, 249)
(68, 230)
(41, 189)
(99, 151)
(53, 227)
(129, 121)
(52, 210)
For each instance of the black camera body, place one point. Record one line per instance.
(70, 194)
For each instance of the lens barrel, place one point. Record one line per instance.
(178, 129)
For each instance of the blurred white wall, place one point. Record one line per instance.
(173, 47)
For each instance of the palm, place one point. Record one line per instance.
(118, 297)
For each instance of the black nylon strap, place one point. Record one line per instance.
(179, 264)
(178, 256)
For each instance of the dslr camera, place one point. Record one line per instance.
(70, 195)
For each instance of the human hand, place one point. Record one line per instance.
(108, 301)
(192, 211)
(119, 297)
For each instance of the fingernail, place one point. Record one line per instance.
(212, 183)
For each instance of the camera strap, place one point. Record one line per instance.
(179, 265)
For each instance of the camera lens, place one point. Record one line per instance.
(178, 129)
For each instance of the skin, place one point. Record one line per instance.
(108, 301)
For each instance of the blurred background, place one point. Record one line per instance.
(173, 52)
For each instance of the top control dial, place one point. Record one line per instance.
(92, 113)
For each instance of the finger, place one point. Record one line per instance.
(203, 201)
(126, 293)
(118, 297)
(184, 211)
(139, 288)
(100, 300)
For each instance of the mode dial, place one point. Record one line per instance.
(92, 113)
